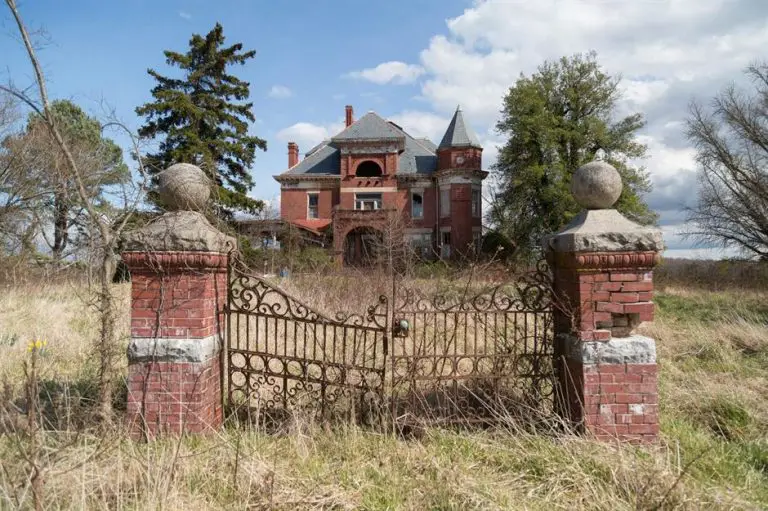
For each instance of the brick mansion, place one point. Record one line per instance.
(352, 185)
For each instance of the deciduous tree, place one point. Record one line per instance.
(731, 140)
(554, 121)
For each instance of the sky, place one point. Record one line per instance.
(412, 61)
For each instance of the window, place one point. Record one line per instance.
(368, 201)
(445, 202)
(417, 205)
(476, 203)
(313, 199)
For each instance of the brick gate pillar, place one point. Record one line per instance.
(603, 283)
(178, 265)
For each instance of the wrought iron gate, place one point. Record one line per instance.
(473, 354)
(284, 355)
(463, 354)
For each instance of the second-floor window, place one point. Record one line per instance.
(417, 205)
(476, 203)
(313, 200)
(367, 201)
(445, 202)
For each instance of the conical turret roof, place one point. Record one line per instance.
(459, 134)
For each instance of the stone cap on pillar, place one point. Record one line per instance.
(596, 186)
(184, 190)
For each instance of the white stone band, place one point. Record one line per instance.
(164, 349)
(635, 349)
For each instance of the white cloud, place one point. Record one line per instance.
(422, 124)
(185, 15)
(307, 135)
(667, 52)
(389, 72)
(280, 92)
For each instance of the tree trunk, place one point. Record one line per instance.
(107, 342)
(60, 225)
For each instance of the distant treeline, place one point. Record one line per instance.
(712, 275)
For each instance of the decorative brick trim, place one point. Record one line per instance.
(605, 260)
(163, 262)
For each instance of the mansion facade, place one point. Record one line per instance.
(373, 173)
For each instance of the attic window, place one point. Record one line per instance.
(368, 169)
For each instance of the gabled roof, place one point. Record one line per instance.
(369, 127)
(459, 134)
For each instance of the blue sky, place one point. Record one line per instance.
(410, 60)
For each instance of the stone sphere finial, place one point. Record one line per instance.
(596, 185)
(185, 187)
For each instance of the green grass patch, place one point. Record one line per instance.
(712, 307)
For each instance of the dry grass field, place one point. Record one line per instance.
(713, 350)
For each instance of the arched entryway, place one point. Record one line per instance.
(362, 246)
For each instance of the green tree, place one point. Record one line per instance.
(202, 120)
(100, 159)
(555, 121)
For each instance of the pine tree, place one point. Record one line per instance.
(555, 121)
(99, 158)
(202, 119)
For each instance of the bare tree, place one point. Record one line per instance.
(20, 196)
(731, 140)
(105, 228)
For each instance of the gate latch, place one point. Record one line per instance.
(401, 328)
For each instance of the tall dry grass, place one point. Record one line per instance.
(713, 452)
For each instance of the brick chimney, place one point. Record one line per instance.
(349, 116)
(293, 154)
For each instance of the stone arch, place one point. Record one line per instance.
(369, 168)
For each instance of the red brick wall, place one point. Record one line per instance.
(461, 220)
(293, 203)
(175, 295)
(447, 158)
(602, 297)
(596, 303)
(615, 400)
(168, 397)
(181, 305)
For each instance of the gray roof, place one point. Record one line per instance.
(417, 157)
(324, 160)
(369, 127)
(459, 134)
(427, 143)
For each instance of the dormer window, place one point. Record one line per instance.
(368, 168)
(367, 201)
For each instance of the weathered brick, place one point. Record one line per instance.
(624, 277)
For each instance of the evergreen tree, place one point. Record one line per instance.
(202, 119)
(555, 121)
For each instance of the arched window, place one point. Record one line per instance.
(368, 169)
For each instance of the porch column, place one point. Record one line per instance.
(178, 265)
(603, 284)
